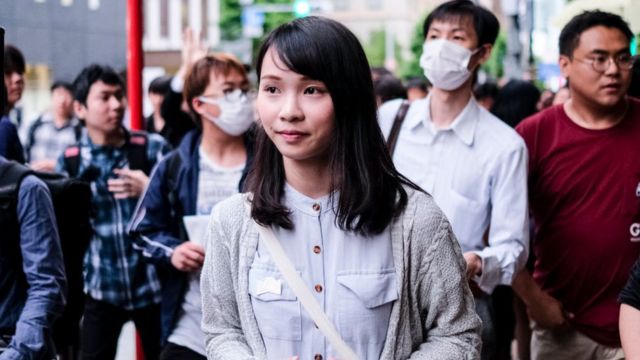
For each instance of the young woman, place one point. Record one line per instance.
(206, 168)
(377, 253)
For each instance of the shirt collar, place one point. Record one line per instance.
(305, 204)
(85, 140)
(464, 125)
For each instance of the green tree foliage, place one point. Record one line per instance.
(273, 20)
(374, 48)
(411, 67)
(230, 20)
(495, 65)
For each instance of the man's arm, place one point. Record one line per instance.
(155, 226)
(509, 225)
(630, 315)
(630, 331)
(43, 267)
(545, 310)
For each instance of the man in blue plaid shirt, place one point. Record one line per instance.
(119, 286)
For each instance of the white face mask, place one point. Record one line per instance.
(236, 112)
(445, 63)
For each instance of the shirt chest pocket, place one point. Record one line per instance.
(364, 302)
(275, 306)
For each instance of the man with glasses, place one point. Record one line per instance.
(584, 172)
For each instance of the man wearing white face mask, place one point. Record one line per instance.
(468, 160)
(208, 167)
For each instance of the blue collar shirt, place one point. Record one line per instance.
(476, 171)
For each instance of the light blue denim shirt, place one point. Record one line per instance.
(352, 277)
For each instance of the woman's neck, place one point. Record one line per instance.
(310, 178)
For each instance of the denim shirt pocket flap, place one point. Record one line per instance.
(268, 285)
(373, 289)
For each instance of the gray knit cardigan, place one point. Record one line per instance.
(434, 317)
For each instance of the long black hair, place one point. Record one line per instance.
(371, 192)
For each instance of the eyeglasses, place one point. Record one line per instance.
(234, 96)
(601, 63)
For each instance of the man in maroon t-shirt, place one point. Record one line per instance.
(584, 189)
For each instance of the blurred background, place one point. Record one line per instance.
(59, 37)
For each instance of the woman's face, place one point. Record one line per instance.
(296, 112)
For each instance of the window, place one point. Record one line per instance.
(374, 4)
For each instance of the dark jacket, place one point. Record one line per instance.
(32, 277)
(10, 146)
(157, 223)
(177, 123)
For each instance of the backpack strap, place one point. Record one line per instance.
(72, 160)
(174, 162)
(31, 137)
(77, 130)
(137, 152)
(397, 124)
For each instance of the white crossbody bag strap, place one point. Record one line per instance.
(303, 293)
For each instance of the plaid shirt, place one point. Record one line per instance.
(113, 271)
(46, 141)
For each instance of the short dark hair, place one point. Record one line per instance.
(484, 22)
(516, 101)
(389, 87)
(488, 89)
(417, 82)
(13, 60)
(90, 75)
(62, 84)
(370, 189)
(570, 34)
(160, 85)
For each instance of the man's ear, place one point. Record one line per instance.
(79, 109)
(196, 105)
(564, 62)
(484, 53)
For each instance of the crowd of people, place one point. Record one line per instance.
(332, 211)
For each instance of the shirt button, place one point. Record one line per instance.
(317, 357)
(318, 288)
(316, 207)
(316, 249)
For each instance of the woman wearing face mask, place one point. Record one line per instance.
(370, 248)
(208, 167)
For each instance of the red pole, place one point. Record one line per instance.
(134, 62)
(134, 85)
